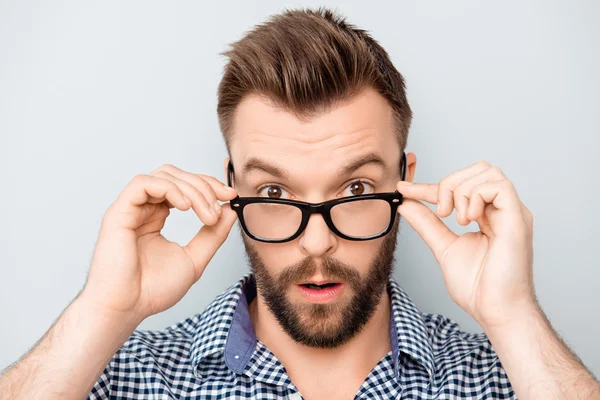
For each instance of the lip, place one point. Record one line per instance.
(322, 296)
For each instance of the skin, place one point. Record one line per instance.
(136, 272)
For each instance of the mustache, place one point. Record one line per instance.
(331, 269)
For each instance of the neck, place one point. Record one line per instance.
(353, 359)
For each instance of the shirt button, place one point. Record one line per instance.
(296, 396)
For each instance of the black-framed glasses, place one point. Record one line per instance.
(361, 217)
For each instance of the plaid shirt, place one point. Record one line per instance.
(216, 354)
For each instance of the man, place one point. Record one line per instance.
(316, 120)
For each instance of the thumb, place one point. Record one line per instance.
(428, 225)
(207, 241)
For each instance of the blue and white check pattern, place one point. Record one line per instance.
(216, 354)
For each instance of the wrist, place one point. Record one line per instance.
(127, 320)
(514, 319)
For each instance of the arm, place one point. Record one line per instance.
(70, 357)
(537, 362)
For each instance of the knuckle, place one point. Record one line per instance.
(444, 185)
(207, 178)
(497, 171)
(484, 164)
(202, 182)
(458, 192)
(164, 175)
(461, 190)
(167, 167)
(164, 167)
(509, 185)
(195, 197)
(139, 178)
(207, 189)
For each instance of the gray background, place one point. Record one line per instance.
(93, 93)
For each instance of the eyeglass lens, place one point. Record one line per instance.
(357, 219)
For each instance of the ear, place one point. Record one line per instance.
(225, 163)
(411, 162)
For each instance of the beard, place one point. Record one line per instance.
(325, 325)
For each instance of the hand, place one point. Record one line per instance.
(487, 273)
(135, 270)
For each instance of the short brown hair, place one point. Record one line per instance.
(306, 61)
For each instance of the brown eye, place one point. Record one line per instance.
(359, 187)
(273, 192)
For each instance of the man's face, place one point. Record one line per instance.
(310, 157)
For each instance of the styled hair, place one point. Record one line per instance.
(306, 62)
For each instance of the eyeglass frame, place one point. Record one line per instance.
(394, 199)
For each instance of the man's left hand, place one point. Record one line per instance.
(488, 273)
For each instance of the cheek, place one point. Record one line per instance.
(358, 255)
(277, 257)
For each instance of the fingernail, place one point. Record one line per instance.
(212, 210)
(217, 207)
(437, 209)
(230, 188)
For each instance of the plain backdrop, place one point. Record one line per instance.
(94, 93)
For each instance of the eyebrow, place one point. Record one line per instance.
(257, 164)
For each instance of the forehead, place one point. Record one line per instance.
(361, 126)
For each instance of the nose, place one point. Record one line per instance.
(317, 239)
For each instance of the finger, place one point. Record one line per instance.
(503, 196)
(145, 189)
(198, 183)
(463, 192)
(476, 211)
(447, 186)
(221, 191)
(442, 193)
(419, 191)
(475, 207)
(130, 209)
(429, 226)
(201, 206)
(461, 203)
(224, 192)
(207, 241)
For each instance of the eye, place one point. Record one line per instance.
(271, 191)
(358, 187)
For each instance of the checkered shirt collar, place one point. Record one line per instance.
(225, 327)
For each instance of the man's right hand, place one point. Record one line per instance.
(135, 270)
(135, 273)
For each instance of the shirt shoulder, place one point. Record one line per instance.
(177, 341)
(153, 361)
(465, 359)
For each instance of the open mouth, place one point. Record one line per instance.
(319, 287)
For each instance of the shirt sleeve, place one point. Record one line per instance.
(101, 389)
